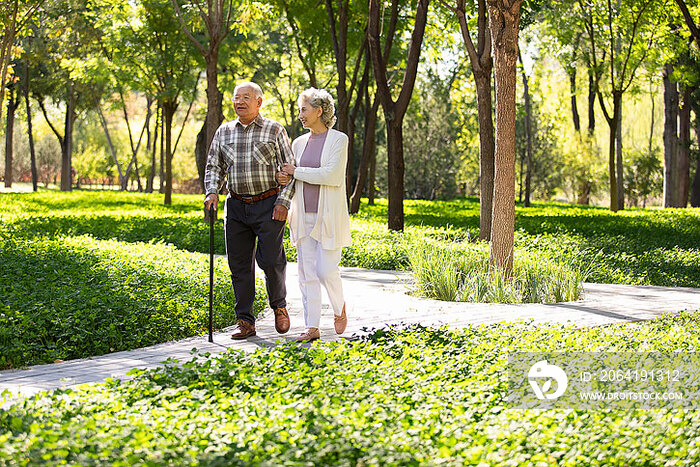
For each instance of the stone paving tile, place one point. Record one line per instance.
(375, 299)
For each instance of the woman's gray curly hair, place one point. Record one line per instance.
(320, 98)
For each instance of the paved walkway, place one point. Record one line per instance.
(376, 298)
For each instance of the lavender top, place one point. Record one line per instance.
(311, 157)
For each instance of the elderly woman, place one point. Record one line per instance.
(319, 224)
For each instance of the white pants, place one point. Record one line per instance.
(318, 266)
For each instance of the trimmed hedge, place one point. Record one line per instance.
(73, 297)
(419, 396)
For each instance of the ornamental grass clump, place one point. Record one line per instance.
(459, 271)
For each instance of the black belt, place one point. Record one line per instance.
(255, 198)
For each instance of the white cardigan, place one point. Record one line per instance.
(332, 228)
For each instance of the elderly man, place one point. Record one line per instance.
(249, 151)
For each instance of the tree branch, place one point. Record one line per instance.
(46, 117)
(414, 50)
(187, 31)
(689, 21)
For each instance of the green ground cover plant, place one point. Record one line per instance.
(418, 396)
(634, 246)
(73, 297)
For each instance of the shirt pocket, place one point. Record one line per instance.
(264, 152)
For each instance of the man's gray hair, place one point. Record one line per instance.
(320, 98)
(249, 84)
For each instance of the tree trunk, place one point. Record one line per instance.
(204, 137)
(372, 182)
(574, 105)
(351, 130)
(12, 104)
(528, 131)
(670, 139)
(486, 150)
(504, 23)
(67, 147)
(152, 174)
(521, 182)
(612, 177)
(684, 147)
(395, 180)
(339, 42)
(618, 135)
(169, 109)
(7, 40)
(368, 152)
(653, 118)
(30, 132)
(619, 167)
(122, 179)
(592, 92)
(695, 192)
(161, 166)
(214, 109)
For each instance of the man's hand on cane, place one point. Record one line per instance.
(211, 199)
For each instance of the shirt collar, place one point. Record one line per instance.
(259, 120)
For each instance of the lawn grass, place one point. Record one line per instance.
(634, 246)
(419, 396)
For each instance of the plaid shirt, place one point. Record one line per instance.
(249, 157)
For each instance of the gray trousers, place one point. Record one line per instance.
(246, 222)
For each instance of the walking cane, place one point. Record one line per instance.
(211, 214)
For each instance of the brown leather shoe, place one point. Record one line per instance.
(340, 322)
(245, 330)
(311, 334)
(281, 320)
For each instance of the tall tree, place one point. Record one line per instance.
(684, 145)
(620, 37)
(64, 38)
(14, 17)
(670, 138)
(341, 38)
(394, 110)
(695, 188)
(169, 67)
(30, 132)
(12, 105)
(215, 20)
(371, 106)
(164, 63)
(481, 60)
(504, 22)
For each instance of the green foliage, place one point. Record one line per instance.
(419, 396)
(73, 297)
(431, 155)
(643, 175)
(635, 246)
